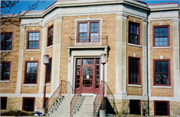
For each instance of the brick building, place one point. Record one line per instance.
(141, 43)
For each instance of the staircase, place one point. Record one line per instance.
(61, 108)
(84, 108)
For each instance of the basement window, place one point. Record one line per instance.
(3, 103)
(161, 108)
(28, 104)
(135, 107)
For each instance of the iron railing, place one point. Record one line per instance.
(98, 98)
(75, 98)
(64, 88)
(108, 94)
(74, 41)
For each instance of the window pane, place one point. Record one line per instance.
(162, 35)
(133, 70)
(161, 72)
(33, 40)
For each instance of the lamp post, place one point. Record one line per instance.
(46, 62)
(103, 61)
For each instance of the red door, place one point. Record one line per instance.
(87, 73)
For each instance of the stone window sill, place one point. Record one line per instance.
(4, 80)
(167, 47)
(49, 47)
(162, 87)
(29, 50)
(5, 50)
(135, 45)
(30, 85)
(133, 85)
(48, 84)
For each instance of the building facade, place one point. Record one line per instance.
(141, 43)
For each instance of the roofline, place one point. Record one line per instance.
(162, 3)
(51, 4)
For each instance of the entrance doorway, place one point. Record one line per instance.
(87, 73)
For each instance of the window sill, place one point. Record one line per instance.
(30, 85)
(5, 50)
(49, 46)
(29, 50)
(133, 85)
(4, 80)
(167, 47)
(162, 87)
(135, 45)
(48, 84)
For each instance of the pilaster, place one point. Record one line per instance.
(42, 70)
(176, 58)
(56, 59)
(145, 55)
(20, 60)
(121, 55)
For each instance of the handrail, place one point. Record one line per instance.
(99, 95)
(75, 98)
(63, 87)
(97, 98)
(111, 96)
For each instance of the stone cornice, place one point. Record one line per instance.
(83, 3)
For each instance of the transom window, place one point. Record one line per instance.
(6, 41)
(50, 36)
(5, 70)
(28, 104)
(161, 36)
(33, 40)
(31, 72)
(134, 74)
(161, 75)
(48, 71)
(134, 35)
(88, 31)
(161, 108)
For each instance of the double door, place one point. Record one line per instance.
(87, 75)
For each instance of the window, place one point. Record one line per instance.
(161, 108)
(5, 70)
(134, 33)
(28, 104)
(161, 72)
(3, 103)
(88, 31)
(33, 40)
(135, 107)
(48, 71)
(50, 36)
(134, 71)
(6, 41)
(31, 72)
(161, 36)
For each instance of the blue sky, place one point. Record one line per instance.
(23, 5)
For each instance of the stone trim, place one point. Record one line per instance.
(135, 45)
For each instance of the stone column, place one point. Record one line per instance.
(20, 60)
(121, 55)
(56, 53)
(42, 70)
(176, 57)
(144, 47)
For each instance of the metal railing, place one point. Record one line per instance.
(98, 98)
(109, 96)
(74, 41)
(64, 88)
(75, 98)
